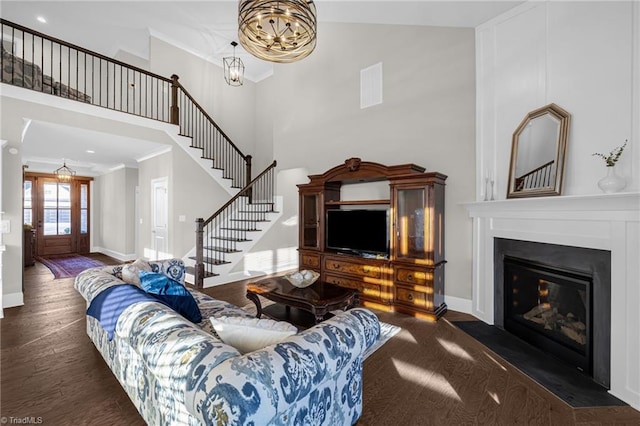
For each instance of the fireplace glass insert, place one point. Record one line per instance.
(550, 308)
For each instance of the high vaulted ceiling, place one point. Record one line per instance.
(204, 28)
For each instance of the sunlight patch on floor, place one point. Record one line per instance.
(426, 378)
(51, 332)
(407, 337)
(455, 349)
(496, 361)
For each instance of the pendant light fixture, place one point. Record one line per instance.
(277, 31)
(233, 68)
(64, 174)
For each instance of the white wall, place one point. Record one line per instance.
(195, 194)
(114, 223)
(231, 107)
(10, 131)
(2, 247)
(582, 56)
(427, 118)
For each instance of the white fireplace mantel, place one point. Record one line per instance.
(606, 222)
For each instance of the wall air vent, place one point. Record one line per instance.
(371, 86)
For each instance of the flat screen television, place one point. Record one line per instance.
(359, 231)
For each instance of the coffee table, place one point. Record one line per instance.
(319, 299)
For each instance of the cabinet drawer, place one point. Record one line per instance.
(372, 271)
(413, 276)
(310, 261)
(366, 289)
(411, 296)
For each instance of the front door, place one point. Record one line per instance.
(60, 213)
(54, 228)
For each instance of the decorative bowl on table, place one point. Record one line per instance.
(302, 279)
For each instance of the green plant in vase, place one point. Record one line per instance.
(612, 158)
(612, 182)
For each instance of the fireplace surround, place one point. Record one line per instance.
(607, 222)
(573, 281)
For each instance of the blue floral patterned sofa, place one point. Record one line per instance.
(179, 373)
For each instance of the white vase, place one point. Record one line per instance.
(612, 182)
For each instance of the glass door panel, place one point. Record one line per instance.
(410, 221)
(310, 220)
(57, 208)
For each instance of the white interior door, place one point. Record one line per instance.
(159, 218)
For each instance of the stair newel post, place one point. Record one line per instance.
(199, 268)
(175, 111)
(248, 177)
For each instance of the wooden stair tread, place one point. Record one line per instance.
(230, 239)
(241, 229)
(221, 249)
(191, 270)
(211, 261)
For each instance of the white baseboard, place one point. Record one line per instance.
(12, 299)
(458, 304)
(116, 255)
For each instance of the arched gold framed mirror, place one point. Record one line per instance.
(538, 153)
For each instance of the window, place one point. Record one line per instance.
(28, 203)
(84, 208)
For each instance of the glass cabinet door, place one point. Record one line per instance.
(310, 220)
(411, 232)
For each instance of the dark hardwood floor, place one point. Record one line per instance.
(428, 374)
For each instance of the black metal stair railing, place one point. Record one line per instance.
(35, 61)
(220, 235)
(207, 136)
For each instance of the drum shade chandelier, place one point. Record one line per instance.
(233, 68)
(64, 174)
(277, 31)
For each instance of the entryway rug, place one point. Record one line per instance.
(572, 386)
(68, 265)
(387, 331)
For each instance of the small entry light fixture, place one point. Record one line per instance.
(277, 31)
(233, 68)
(64, 174)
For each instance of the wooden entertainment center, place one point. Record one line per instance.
(411, 278)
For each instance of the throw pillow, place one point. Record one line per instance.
(131, 272)
(251, 334)
(172, 293)
(184, 305)
(153, 282)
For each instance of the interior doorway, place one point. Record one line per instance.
(160, 217)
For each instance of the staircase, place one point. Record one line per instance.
(234, 228)
(81, 75)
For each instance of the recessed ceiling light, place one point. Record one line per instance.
(90, 151)
(42, 19)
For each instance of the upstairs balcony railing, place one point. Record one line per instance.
(35, 61)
